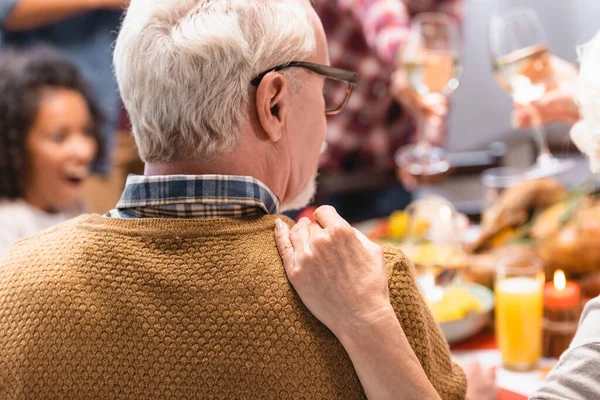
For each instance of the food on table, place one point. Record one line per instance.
(503, 237)
(549, 221)
(380, 231)
(457, 302)
(575, 247)
(561, 227)
(398, 225)
(433, 242)
(516, 205)
(481, 267)
(429, 233)
(434, 219)
(434, 254)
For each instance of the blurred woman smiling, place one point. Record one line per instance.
(49, 137)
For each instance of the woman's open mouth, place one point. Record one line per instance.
(76, 178)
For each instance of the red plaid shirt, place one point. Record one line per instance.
(365, 36)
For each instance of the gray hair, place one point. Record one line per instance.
(184, 68)
(586, 133)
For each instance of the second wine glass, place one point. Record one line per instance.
(432, 65)
(522, 66)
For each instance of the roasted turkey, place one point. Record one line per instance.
(562, 227)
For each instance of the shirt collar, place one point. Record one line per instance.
(195, 196)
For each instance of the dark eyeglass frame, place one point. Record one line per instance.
(330, 72)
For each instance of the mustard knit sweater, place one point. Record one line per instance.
(101, 308)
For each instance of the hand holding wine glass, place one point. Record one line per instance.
(412, 101)
(429, 73)
(556, 105)
(523, 68)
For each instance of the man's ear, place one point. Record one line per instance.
(272, 96)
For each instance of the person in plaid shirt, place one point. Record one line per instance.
(367, 36)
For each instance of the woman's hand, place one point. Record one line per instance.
(338, 273)
(436, 106)
(340, 276)
(557, 104)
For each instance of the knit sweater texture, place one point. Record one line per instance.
(105, 308)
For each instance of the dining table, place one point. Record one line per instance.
(512, 385)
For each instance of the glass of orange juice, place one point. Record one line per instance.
(519, 311)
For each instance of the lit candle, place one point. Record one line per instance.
(560, 293)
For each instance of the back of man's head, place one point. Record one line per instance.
(184, 68)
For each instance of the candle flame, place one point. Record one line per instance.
(559, 279)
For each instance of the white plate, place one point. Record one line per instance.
(459, 330)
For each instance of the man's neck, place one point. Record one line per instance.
(253, 156)
(218, 167)
(227, 165)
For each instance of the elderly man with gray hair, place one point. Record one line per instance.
(180, 291)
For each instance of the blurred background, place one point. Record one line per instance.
(480, 109)
(480, 112)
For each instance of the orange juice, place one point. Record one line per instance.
(519, 313)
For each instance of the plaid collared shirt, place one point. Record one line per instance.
(194, 196)
(365, 36)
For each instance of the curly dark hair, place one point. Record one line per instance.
(23, 76)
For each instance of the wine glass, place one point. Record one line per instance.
(432, 65)
(522, 66)
(434, 244)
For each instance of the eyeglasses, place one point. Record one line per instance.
(339, 83)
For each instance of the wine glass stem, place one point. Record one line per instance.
(539, 134)
(428, 130)
(421, 131)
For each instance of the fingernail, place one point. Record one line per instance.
(278, 224)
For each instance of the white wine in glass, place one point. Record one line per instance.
(522, 66)
(432, 65)
(526, 74)
(435, 72)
